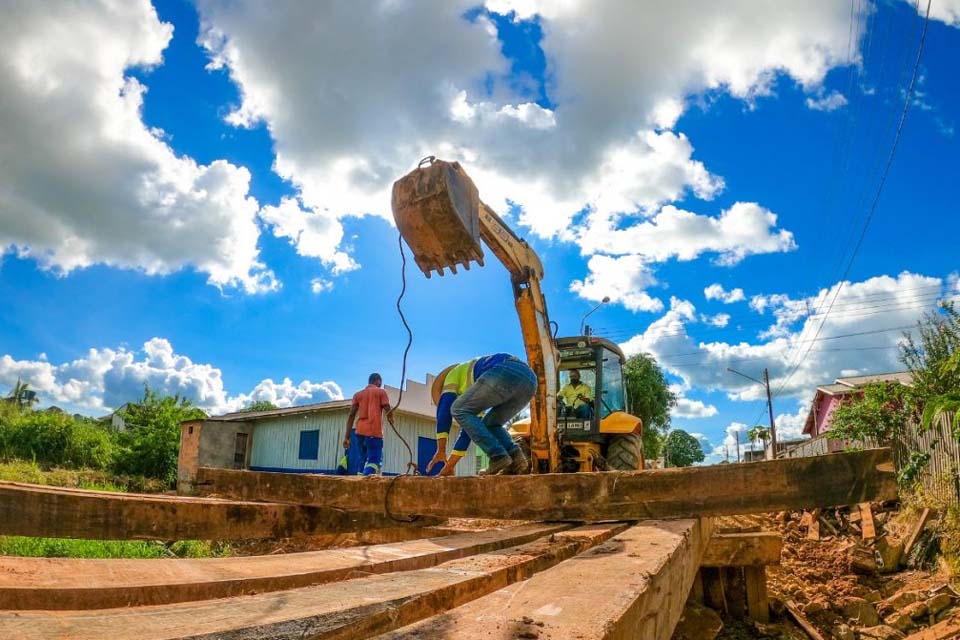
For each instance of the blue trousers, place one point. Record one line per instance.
(502, 392)
(371, 453)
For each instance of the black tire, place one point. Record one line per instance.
(625, 452)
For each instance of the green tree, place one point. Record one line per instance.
(682, 449)
(56, 439)
(947, 402)
(934, 362)
(650, 399)
(929, 356)
(879, 413)
(259, 405)
(759, 432)
(151, 443)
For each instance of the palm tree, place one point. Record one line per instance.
(22, 395)
(759, 432)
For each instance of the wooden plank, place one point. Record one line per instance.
(358, 608)
(70, 583)
(866, 521)
(791, 483)
(34, 510)
(758, 604)
(915, 533)
(634, 586)
(948, 629)
(828, 526)
(743, 549)
(802, 621)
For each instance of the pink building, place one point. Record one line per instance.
(828, 398)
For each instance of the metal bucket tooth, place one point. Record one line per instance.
(437, 210)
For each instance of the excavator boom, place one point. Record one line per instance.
(439, 213)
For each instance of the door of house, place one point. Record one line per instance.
(240, 451)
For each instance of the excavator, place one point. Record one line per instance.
(439, 214)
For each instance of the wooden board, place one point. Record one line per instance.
(34, 510)
(758, 604)
(794, 611)
(743, 549)
(71, 583)
(634, 586)
(948, 629)
(866, 521)
(813, 529)
(790, 483)
(915, 533)
(358, 608)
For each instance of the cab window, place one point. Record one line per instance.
(613, 393)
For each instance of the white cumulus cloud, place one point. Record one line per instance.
(390, 82)
(829, 102)
(858, 337)
(717, 292)
(106, 378)
(83, 180)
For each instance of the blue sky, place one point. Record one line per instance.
(197, 197)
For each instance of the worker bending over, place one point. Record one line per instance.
(577, 396)
(367, 409)
(500, 385)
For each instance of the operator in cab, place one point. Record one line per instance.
(482, 395)
(578, 396)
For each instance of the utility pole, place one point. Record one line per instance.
(766, 385)
(737, 435)
(773, 427)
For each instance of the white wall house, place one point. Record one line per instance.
(309, 438)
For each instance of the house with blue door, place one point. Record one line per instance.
(309, 438)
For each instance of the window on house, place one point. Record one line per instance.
(240, 451)
(310, 444)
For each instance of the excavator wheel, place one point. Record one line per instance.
(625, 452)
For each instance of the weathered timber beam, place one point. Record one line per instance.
(743, 549)
(72, 583)
(634, 586)
(33, 510)
(358, 608)
(786, 484)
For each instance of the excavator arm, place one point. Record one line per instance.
(526, 271)
(439, 213)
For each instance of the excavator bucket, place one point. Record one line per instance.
(437, 210)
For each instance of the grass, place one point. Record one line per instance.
(68, 548)
(31, 472)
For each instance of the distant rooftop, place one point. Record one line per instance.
(846, 385)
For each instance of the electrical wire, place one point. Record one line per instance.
(876, 198)
(412, 468)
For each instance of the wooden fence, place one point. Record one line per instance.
(940, 476)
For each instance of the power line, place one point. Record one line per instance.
(924, 302)
(876, 199)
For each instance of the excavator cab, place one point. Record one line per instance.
(606, 436)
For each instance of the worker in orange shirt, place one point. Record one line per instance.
(367, 410)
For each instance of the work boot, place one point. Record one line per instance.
(520, 465)
(498, 465)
